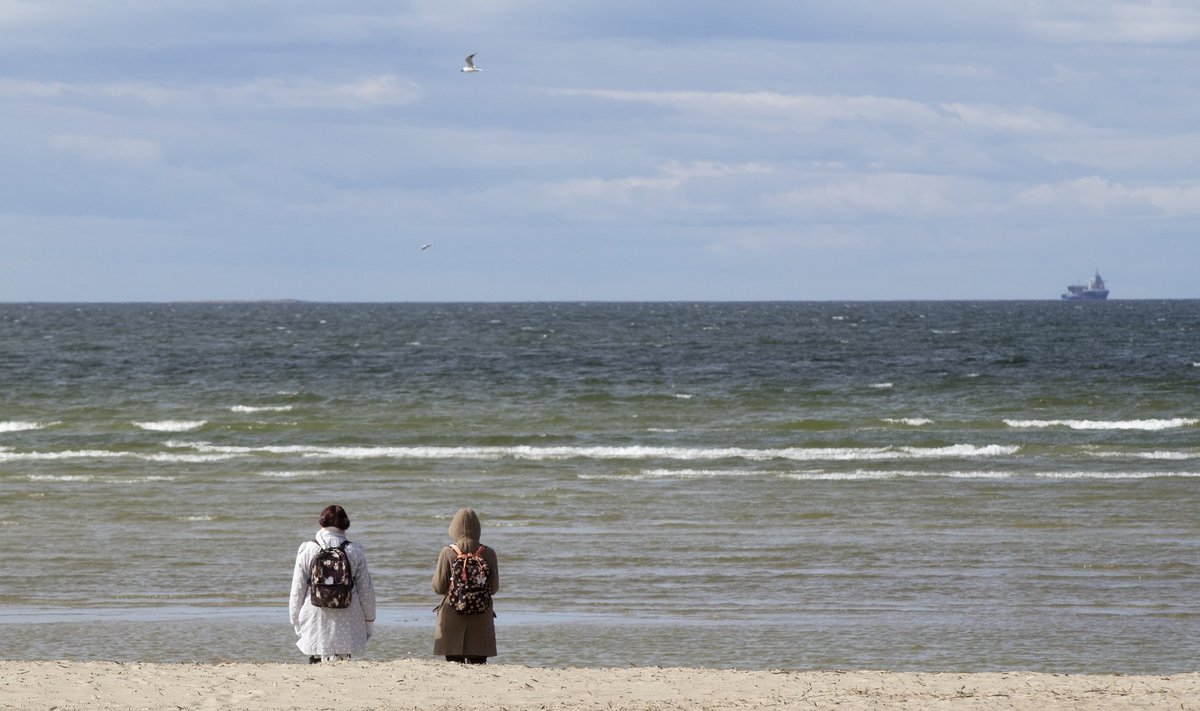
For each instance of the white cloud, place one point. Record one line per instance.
(669, 178)
(769, 241)
(1168, 155)
(19, 89)
(964, 70)
(355, 94)
(368, 92)
(893, 194)
(828, 109)
(108, 149)
(145, 93)
(15, 13)
(1100, 195)
(1023, 119)
(814, 108)
(1141, 22)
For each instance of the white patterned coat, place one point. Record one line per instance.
(327, 631)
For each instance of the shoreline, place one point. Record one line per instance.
(434, 684)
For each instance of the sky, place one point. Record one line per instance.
(608, 150)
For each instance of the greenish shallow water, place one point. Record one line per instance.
(964, 486)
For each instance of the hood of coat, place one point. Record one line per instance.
(330, 537)
(465, 529)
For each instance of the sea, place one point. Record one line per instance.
(915, 486)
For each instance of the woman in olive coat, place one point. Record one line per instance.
(460, 637)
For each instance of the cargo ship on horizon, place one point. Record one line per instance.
(1094, 290)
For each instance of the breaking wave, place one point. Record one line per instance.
(1148, 425)
(18, 426)
(172, 425)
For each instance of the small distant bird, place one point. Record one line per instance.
(470, 64)
(425, 246)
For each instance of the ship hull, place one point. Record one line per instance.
(1094, 290)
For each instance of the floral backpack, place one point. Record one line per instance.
(470, 593)
(331, 581)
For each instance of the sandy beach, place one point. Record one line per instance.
(425, 684)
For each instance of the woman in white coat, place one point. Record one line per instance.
(328, 633)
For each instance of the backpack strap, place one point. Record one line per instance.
(458, 553)
(349, 563)
(342, 547)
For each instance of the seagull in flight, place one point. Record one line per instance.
(470, 64)
(425, 247)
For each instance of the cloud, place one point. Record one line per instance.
(365, 93)
(354, 94)
(16, 13)
(19, 89)
(891, 194)
(669, 178)
(1142, 22)
(1100, 195)
(816, 109)
(773, 240)
(1023, 119)
(132, 152)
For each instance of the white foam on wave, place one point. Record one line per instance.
(1147, 425)
(261, 408)
(289, 474)
(161, 457)
(19, 426)
(1116, 475)
(135, 479)
(675, 474)
(882, 386)
(962, 450)
(866, 475)
(106, 479)
(172, 425)
(165, 458)
(526, 452)
(1171, 456)
(876, 476)
(910, 421)
(9, 456)
(695, 473)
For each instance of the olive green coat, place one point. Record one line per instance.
(456, 634)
